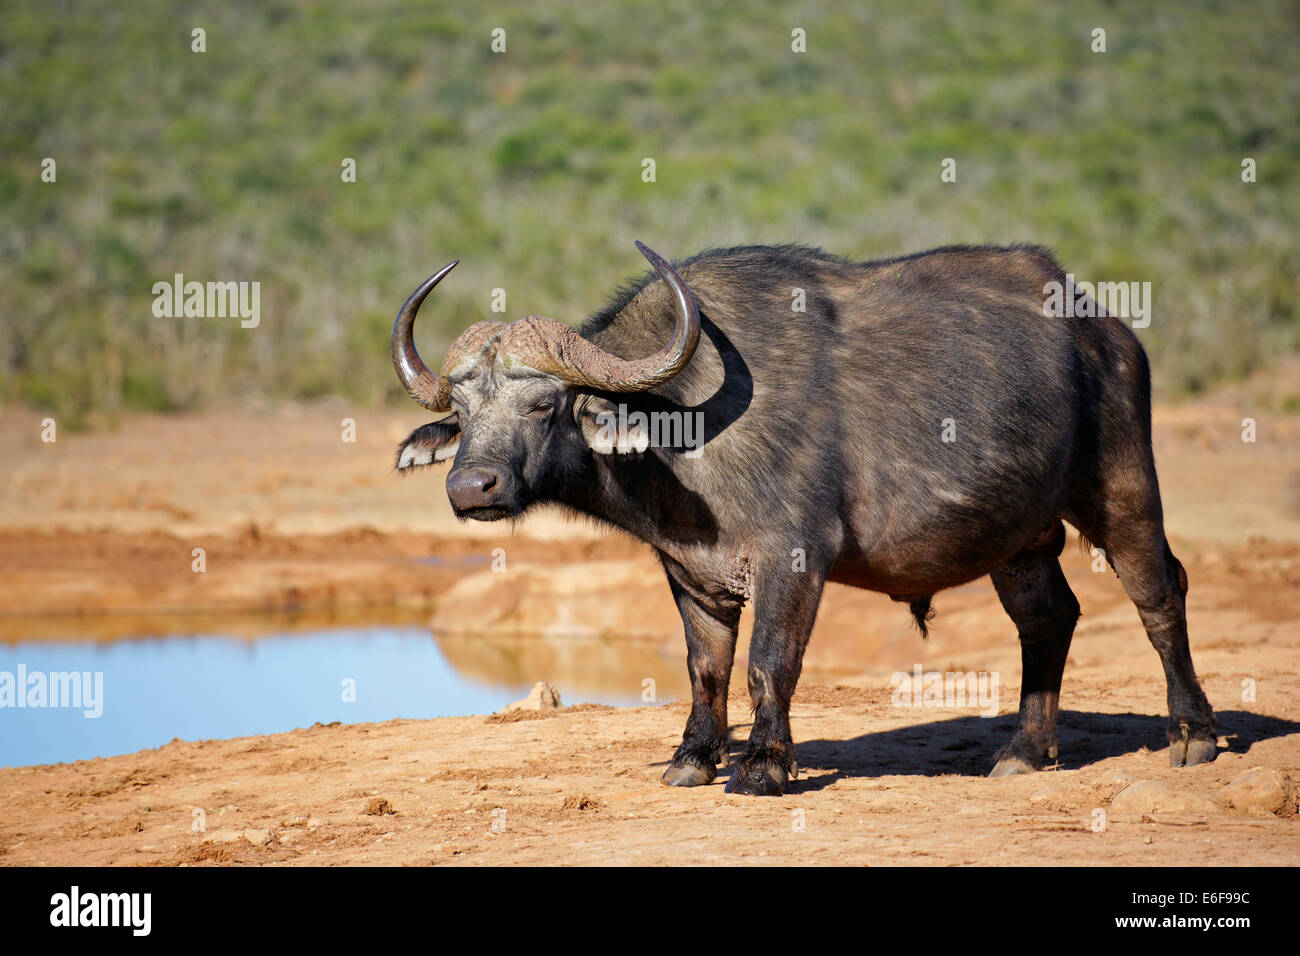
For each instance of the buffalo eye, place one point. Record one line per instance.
(542, 410)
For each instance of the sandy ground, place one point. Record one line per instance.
(97, 533)
(878, 785)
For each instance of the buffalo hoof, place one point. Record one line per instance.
(687, 775)
(1012, 765)
(1188, 753)
(763, 779)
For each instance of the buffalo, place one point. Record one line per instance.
(904, 425)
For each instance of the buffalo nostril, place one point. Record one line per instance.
(472, 487)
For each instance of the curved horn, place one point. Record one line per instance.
(554, 347)
(672, 358)
(419, 380)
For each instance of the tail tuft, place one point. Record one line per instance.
(922, 613)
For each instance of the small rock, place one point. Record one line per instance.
(1111, 782)
(224, 836)
(1116, 775)
(1260, 788)
(259, 837)
(378, 807)
(1048, 794)
(542, 697)
(314, 822)
(1147, 797)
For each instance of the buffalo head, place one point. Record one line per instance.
(523, 399)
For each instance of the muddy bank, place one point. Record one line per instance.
(298, 512)
(93, 573)
(100, 585)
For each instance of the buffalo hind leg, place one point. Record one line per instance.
(784, 610)
(710, 648)
(1118, 509)
(1157, 584)
(1035, 594)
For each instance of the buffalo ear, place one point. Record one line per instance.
(606, 431)
(430, 444)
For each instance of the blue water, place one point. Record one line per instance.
(212, 686)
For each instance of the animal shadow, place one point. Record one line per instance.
(966, 745)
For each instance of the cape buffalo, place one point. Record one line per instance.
(905, 426)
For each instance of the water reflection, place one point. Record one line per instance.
(216, 685)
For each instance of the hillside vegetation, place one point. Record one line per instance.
(527, 165)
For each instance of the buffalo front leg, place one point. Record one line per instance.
(710, 648)
(784, 610)
(1033, 591)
